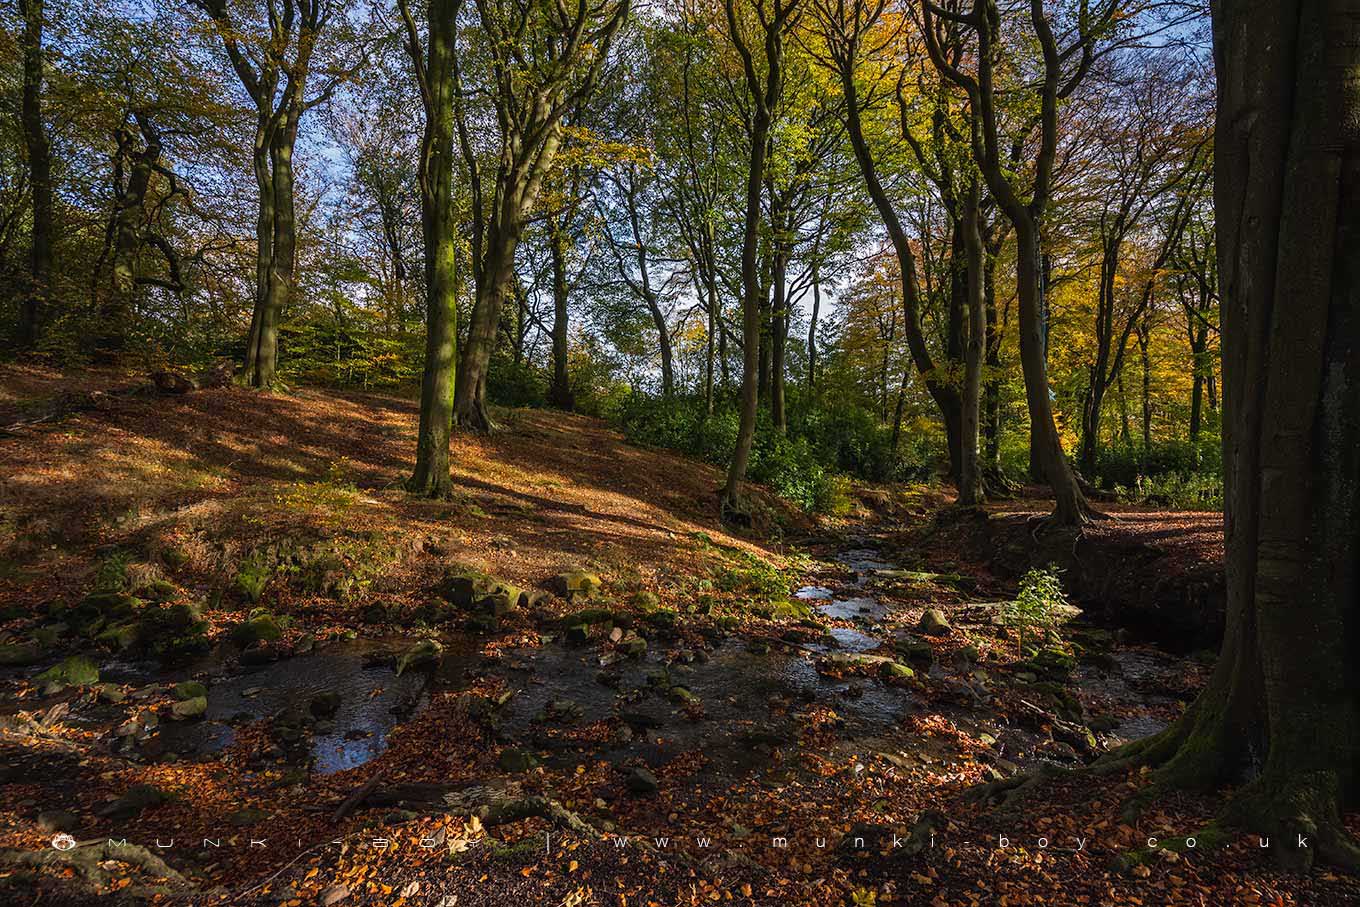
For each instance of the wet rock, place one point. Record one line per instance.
(641, 782)
(423, 656)
(139, 797)
(190, 689)
(324, 705)
(681, 695)
(578, 634)
(262, 627)
(137, 725)
(639, 720)
(189, 708)
(20, 654)
(76, 671)
(258, 655)
(57, 820)
(634, 647)
(110, 693)
(576, 584)
(934, 623)
(482, 624)
(758, 647)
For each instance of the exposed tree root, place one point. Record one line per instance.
(1013, 790)
(88, 861)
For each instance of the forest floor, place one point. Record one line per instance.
(569, 685)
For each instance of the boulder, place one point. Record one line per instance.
(633, 647)
(168, 382)
(76, 671)
(472, 590)
(576, 584)
(934, 623)
(189, 708)
(324, 705)
(190, 689)
(262, 627)
(891, 670)
(424, 655)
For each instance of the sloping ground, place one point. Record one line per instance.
(201, 480)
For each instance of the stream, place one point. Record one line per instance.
(737, 703)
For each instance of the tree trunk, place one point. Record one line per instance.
(39, 149)
(970, 471)
(128, 234)
(431, 476)
(812, 326)
(498, 277)
(1144, 342)
(992, 386)
(779, 332)
(1045, 445)
(559, 392)
(1283, 704)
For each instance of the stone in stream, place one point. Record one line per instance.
(934, 623)
(633, 647)
(262, 627)
(189, 708)
(324, 705)
(76, 671)
(189, 689)
(424, 655)
(891, 670)
(578, 634)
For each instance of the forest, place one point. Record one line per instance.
(838, 452)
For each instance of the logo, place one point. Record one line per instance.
(63, 841)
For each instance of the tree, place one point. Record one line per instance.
(774, 19)
(273, 61)
(1283, 704)
(39, 148)
(543, 59)
(849, 33)
(434, 73)
(1062, 69)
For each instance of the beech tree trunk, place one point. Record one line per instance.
(559, 391)
(39, 149)
(438, 223)
(970, 468)
(1282, 709)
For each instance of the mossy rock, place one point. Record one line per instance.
(891, 670)
(260, 628)
(195, 707)
(914, 649)
(595, 617)
(75, 671)
(20, 654)
(647, 600)
(934, 623)
(576, 584)
(1052, 664)
(423, 656)
(662, 619)
(158, 590)
(473, 590)
(578, 634)
(189, 689)
(633, 647)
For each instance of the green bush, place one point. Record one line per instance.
(807, 466)
(1037, 605)
(1176, 491)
